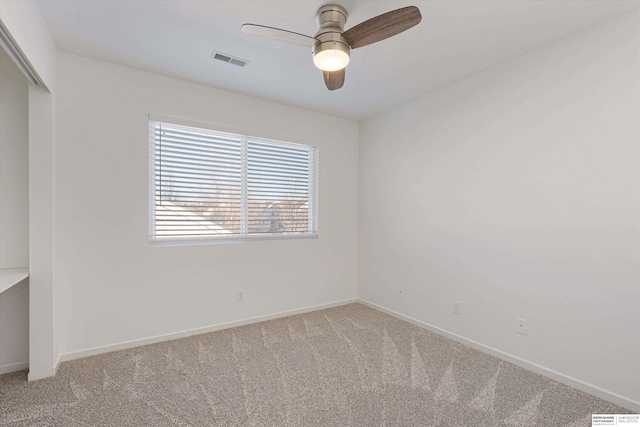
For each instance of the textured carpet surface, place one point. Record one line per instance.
(345, 366)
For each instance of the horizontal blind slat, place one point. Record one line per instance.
(170, 168)
(179, 156)
(169, 134)
(257, 146)
(276, 158)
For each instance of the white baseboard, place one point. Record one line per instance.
(13, 367)
(40, 374)
(538, 369)
(57, 364)
(64, 357)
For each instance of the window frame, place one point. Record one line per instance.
(313, 194)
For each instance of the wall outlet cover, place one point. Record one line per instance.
(521, 326)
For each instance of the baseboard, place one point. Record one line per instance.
(57, 364)
(13, 367)
(64, 357)
(625, 402)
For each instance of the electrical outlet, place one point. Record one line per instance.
(456, 307)
(401, 291)
(521, 326)
(240, 296)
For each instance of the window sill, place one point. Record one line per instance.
(181, 241)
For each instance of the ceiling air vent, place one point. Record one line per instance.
(228, 59)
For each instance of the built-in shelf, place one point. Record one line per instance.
(12, 276)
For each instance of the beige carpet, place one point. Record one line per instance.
(346, 366)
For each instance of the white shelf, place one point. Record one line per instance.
(12, 276)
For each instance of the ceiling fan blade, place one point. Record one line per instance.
(383, 26)
(278, 34)
(333, 79)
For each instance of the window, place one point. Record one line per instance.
(208, 185)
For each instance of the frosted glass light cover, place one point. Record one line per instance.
(331, 60)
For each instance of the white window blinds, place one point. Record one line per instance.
(210, 185)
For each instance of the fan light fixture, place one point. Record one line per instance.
(331, 56)
(332, 44)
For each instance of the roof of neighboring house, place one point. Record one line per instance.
(170, 216)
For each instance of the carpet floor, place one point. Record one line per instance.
(345, 366)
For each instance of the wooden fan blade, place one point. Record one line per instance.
(278, 34)
(382, 26)
(333, 79)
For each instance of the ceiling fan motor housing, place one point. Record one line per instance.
(331, 20)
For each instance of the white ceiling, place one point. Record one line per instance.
(455, 39)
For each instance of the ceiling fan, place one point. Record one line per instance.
(332, 44)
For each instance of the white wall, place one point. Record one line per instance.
(14, 213)
(43, 313)
(517, 192)
(115, 287)
(14, 166)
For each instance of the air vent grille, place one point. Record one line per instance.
(229, 59)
